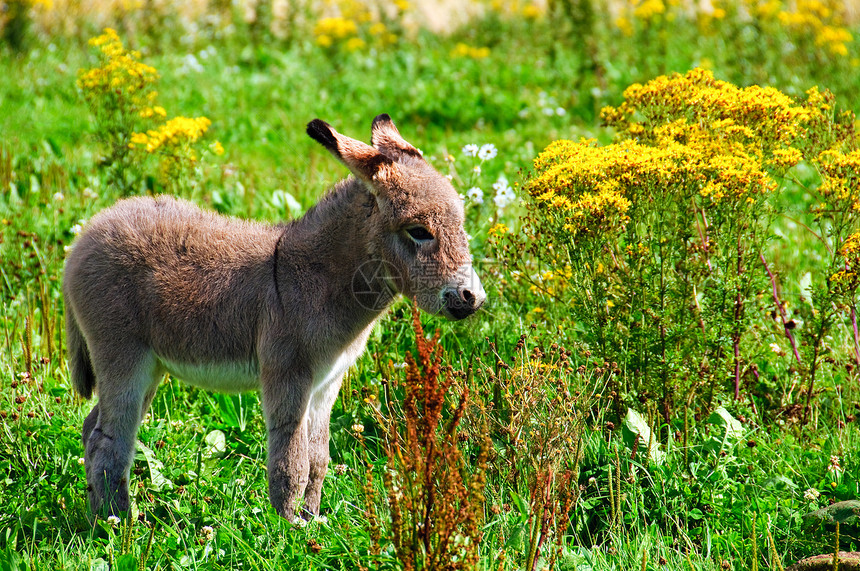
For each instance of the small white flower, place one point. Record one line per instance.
(476, 169)
(560, 111)
(192, 63)
(476, 195)
(207, 532)
(811, 494)
(341, 469)
(90, 193)
(504, 196)
(449, 177)
(81, 461)
(470, 150)
(76, 229)
(113, 521)
(487, 152)
(501, 183)
(775, 348)
(548, 111)
(58, 196)
(358, 428)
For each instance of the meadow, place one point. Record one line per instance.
(663, 206)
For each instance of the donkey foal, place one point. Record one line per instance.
(157, 285)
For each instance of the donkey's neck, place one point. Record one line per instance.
(321, 255)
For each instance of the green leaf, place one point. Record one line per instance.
(231, 410)
(286, 202)
(843, 512)
(126, 562)
(216, 445)
(158, 480)
(732, 430)
(636, 432)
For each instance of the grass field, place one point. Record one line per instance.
(641, 392)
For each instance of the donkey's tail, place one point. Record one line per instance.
(80, 366)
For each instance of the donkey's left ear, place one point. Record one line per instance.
(385, 137)
(364, 161)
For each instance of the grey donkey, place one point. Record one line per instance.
(156, 285)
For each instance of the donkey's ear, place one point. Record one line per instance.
(385, 137)
(363, 160)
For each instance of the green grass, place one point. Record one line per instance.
(695, 508)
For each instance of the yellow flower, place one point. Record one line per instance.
(531, 11)
(465, 50)
(649, 9)
(335, 28)
(354, 44)
(172, 134)
(121, 76)
(499, 230)
(377, 29)
(624, 25)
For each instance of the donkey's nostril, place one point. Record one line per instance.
(468, 297)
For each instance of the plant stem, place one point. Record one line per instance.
(781, 309)
(856, 335)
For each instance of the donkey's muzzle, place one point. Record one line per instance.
(465, 299)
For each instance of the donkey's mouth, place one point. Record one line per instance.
(460, 304)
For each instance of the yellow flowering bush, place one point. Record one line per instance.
(356, 26)
(755, 117)
(822, 21)
(120, 74)
(462, 50)
(819, 26)
(840, 185)
(120, 93)
(847, 278)
(173, 142)
(658, 239)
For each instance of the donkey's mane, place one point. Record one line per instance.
(335, 204)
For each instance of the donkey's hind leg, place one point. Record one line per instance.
(125, 385)
(90, 423)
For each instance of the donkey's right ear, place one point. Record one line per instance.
(363, 160)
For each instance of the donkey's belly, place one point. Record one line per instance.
(225, 376)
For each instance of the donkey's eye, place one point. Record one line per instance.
(419, 234)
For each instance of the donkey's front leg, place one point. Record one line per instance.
(285, 398)
(319, 417)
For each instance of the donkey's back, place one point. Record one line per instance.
(159, 278)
